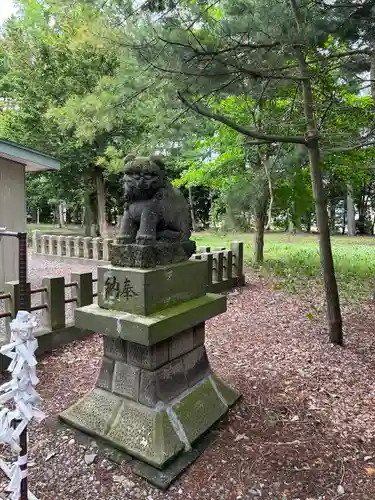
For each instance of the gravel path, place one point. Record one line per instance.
(305, 428)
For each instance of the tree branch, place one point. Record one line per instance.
(349, 148)
(264, 138)
(205, 52)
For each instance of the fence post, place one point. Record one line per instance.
(204, 249)
(106, 248)
(86, 247)
(237, 250)
(218, 266)
(59, 245)
(196, 256)
(50, 243)
(95, 248)
(209, 258)
(77, 249)
(36, 236)
(69, 250)
(44, 244)
(227, 265)
(54, 317)
(12, 304)
(84, 289)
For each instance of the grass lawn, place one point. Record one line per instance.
(294, 259)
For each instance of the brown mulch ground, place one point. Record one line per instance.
(305, 428)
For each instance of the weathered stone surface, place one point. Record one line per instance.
(93, 412)
(156, 217)
(229, 394)
(148, 357)
(181, 343)
(164, 384)
(149, 330)
(145, 434)
(140, 431)
(199, 334)
(145, 292)
(149, 256)
(105, 375)
(164, 478)
(126, 380)
(148, 388)
(199, 410)
(148, 433)
(196, 365)
(171, 380)
(115, 348)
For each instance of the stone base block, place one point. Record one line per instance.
(148, 256)
(153, 435)
(149, 330)
(147, 291)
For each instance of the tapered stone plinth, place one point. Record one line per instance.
(156, 393)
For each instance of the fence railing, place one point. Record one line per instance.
(53, 302)
(77, 247)
(224, 266)
(224, 271)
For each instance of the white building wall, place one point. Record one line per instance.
(12, 216)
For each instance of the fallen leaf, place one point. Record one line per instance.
(50, 455)
(239, 437)
(370, 471)
(340, 489)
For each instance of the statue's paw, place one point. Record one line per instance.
(145, 239)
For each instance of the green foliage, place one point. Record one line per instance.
(294, 262)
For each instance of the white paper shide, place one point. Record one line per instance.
(20, 390)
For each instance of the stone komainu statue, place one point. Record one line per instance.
(155, 212)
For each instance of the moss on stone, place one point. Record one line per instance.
(199, 410)
(229, 394)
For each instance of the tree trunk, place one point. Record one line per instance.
(308, 223)
(269, 179)
(87, 214)
(372, 74)
(294, 224)
(61, 215)
(192, 215)
(260, 223)
(100, 195)
(350, 212)
(344, 218)
(332, 216)
(38, 215)
(361, 214)
(326, 258)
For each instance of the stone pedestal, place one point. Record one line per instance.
(156, 393)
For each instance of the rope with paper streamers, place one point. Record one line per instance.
(20, 389)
